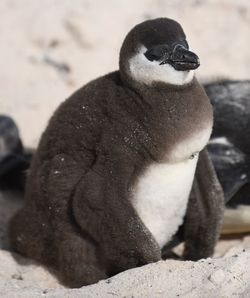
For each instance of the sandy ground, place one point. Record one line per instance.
(50, 48)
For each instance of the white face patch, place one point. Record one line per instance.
(147, 72)
(161, 195)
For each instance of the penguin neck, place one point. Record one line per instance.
(155, 87)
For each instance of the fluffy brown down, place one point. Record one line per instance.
(77, 217)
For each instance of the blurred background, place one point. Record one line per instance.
(50, 48)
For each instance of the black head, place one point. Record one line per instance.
(162, 42)
(166, 42)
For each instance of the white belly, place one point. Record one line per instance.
(161, 195)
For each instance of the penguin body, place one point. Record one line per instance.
(13, 158)
(229, 149)
(231, 101)
(157, 196)
(96, 182)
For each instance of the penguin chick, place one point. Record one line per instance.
(109, 184)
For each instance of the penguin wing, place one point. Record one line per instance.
(101, 206)
(205, 211)
(101, 200)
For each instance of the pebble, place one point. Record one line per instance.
(217, 277)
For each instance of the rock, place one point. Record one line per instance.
(217, 277)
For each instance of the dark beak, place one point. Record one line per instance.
(182, 59)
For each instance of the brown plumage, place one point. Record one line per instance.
(78, 217)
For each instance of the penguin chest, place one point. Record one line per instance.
(160, 197)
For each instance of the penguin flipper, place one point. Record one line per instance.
(204, 212)
(108, 215)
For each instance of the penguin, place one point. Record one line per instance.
(230, 140)
(123, 164)
(14, 159)
(229, 149)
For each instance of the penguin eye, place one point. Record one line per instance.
(156, 53)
